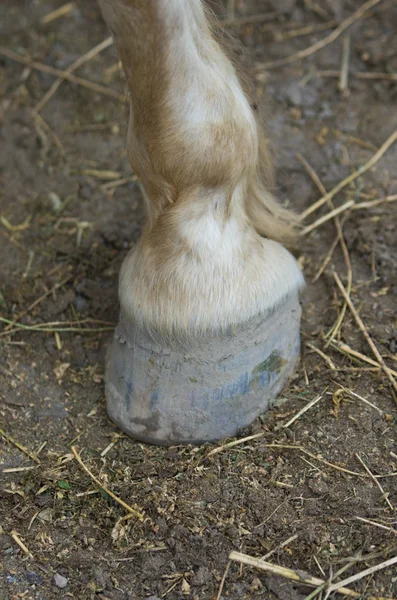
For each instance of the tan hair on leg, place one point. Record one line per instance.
(194, 142)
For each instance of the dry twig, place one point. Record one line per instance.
(62, 11)
(387, 563)
(375, 524)
(33, 64)
(313, 456)
(370, 75)
(35, 303)
(293, 447)
(327, 217)
(15, 536)
(222, 583)
(365, 332)
(331, 578)
(374, 203)
(345, 349)
(325, 462)
(325, 41)
(128, 508)
(234, 443)
(323, 355)
(340, 238)
(40, 122)
(280, 546)
(358, 369)
(20, 447)
(42, 327)
(303, 410)
(73, 67)
(380, 411)
(327, 259)
(344, 71)
(18, 469)
(342, 184)
(382, 491)
(114, 441)
(301, 576)
(302, 31)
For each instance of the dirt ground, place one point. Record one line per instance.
(71, 209)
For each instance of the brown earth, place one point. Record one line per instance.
(66, 227)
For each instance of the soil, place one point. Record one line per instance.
(67, 221)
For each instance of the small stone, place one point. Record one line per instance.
(34, 578)
(256, 585)
(60, 581)
(55, 202)
(295, 94)
(318, 487)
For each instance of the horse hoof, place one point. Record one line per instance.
(200, 390)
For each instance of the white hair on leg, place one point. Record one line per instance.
(193, 140)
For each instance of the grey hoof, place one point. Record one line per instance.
(205, 389)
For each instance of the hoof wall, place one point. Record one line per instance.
(205, 389)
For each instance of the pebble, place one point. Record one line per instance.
(60, 581)
(318, 487)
